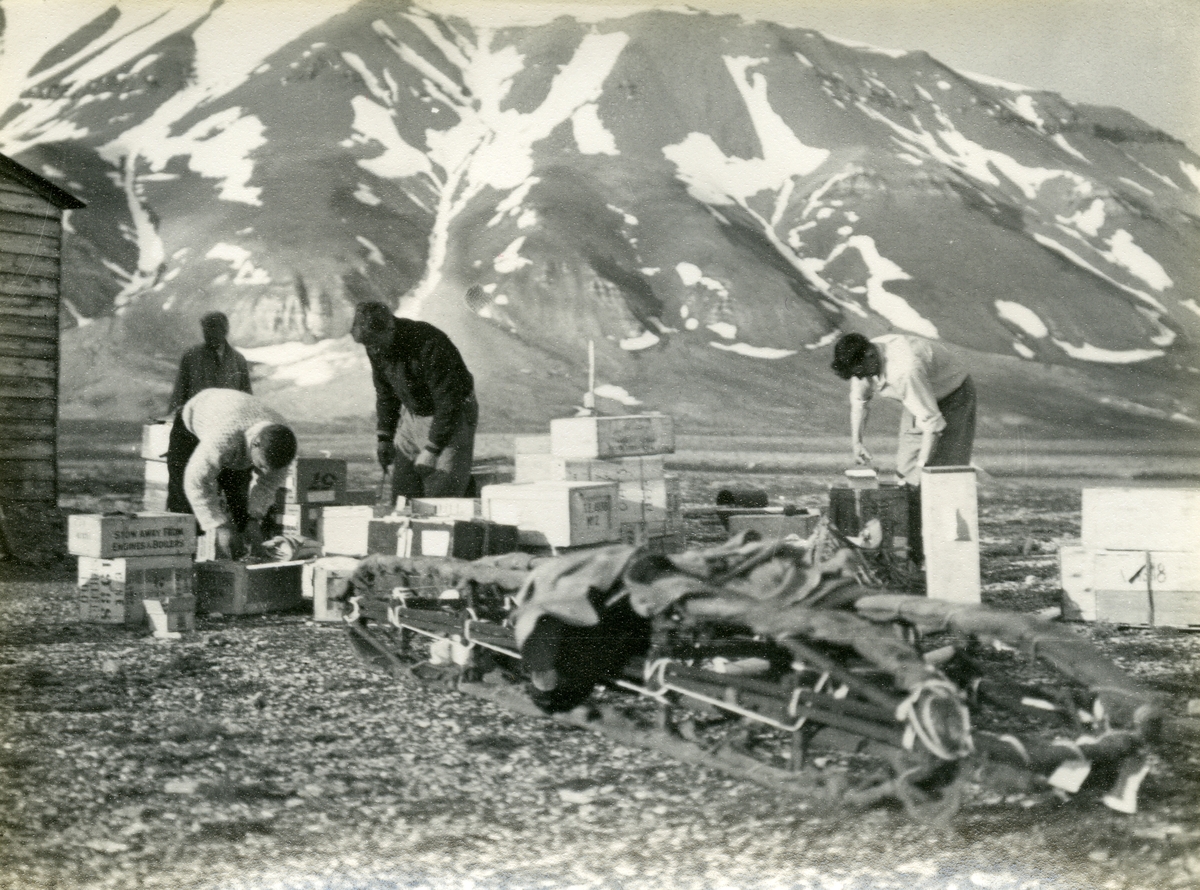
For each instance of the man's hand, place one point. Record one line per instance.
(861, 455)
(426, 462)
(385, 450)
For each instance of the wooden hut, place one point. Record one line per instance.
(31, 230)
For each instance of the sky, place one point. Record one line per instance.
(1140, 55)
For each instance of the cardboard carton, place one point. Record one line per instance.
(109, 535)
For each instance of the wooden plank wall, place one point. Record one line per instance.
(30, 253)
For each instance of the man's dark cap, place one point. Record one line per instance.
(848, 353)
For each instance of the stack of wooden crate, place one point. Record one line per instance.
(593, 480)
(1138, 558)
(127, 558)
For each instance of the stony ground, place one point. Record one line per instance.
(262, 752)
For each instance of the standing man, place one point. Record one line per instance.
(425, 407)
(227, 456)
(937, 425)
(214, 363)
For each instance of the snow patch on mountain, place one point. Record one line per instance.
(310, 364)
(1051, 244)
(1127, 254)
(764, 352)
(374, 254)
(714, 178)
(1024, 107)
(690, 274)
(855, 44)
(510, 259)
(591, 136)
(990, 81)
(239, 259)
(1023, 317)
(1088, 221)
(1061, 141)
(366, 195)
(1192, 172)
(1089, 353)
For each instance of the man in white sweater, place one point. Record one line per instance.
(227, 456)
(937, 425)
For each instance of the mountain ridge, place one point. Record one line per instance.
(707, 199)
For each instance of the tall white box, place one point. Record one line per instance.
(1141, 519)
(155, 439)
(950, 527)
(555, 514)
(605, 437)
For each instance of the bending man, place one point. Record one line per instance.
(425, 407)
(937, 425)
(227, 456)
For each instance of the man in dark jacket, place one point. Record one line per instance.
(212, 364)
(425, 407)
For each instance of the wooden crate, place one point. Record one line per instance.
(446, 508)
(775, 525)
(606, 437)
(555, 514)
(323, 579)
(301, 519)
(531, 467)
(1152, 588)
(111, 591)
(852, 508)
(1165, 519)
(642, 468)
(950, 530)
(316, 480)
(654, 500)
(155, 439)
(461, 539)
(238, 588)
(108, 535)
(359, 531)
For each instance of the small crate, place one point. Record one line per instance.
(1166, 519)
(322, 580)
(179, 612)
(655, 500)
(359, 531)
(111, 591)
(156, 437)
(640, 469)
(775, 525)
(605, 437)
(301, 519)
(532, 467)
(556, 514)
(316, 480)
(109, 535)
(446, 508)
(154, 490)
(239, 588)
(1136, 587)
(460, 539)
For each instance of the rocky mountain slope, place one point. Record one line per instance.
(709, 200)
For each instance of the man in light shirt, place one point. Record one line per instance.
(227, 456)
(937, 425)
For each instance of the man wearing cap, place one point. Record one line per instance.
(425, 407)
(213, 363)
(937, 424)
(227, 456)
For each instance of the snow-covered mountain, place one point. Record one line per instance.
(708, 199)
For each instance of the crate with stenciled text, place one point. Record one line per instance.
(109, 535)
(230, 587)
(316, 480)
(605, 437)
(111, 591)
(555, 514)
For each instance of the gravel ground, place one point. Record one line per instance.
(262, 752)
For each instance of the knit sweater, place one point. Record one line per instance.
(226, 422)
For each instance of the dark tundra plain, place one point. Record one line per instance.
(262, 752)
